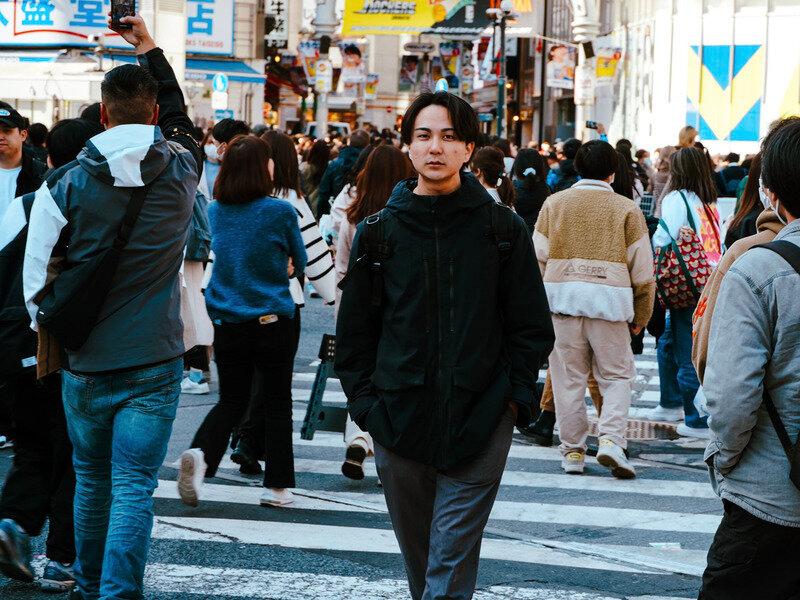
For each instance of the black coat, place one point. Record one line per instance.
(31, 176)
(567, 176)
(529, 202)
(462, 328)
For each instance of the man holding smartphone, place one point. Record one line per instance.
(121, 388)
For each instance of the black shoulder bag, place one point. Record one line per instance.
(70, 309)
(791, 254)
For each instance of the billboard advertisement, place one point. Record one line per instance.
(452, 19)
(59, 23)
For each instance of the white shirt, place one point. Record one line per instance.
(8, 187)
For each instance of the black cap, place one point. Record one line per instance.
(11, 118)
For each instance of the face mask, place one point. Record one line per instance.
(762, 195)
(211, 152)
(648, 162)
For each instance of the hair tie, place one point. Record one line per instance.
(529, 171)
(499, 181)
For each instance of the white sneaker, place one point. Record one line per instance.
(574, 462)
(700, 433)
(659, 413)
(194, 382)
(190, 476)
(276, 497)
(612, 456)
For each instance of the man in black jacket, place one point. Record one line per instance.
(442, 327)
(41, 483)
(333, 179)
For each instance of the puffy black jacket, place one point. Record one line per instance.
(462, 328)
(529, 202)
(334, 177)
(567, 176)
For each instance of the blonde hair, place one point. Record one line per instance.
(686, 137)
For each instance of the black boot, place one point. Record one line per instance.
(242, 456)
(353, 465)
(541, 431)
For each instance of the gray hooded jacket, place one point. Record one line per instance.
(755, 344)
(78, 211)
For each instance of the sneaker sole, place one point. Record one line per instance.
(186, 487)
(617, 470)
(573, 471)
(51, 586)
(11, 564)
(196, 392)
(275, 503)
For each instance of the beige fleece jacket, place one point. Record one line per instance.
(594, 252)
(768, 227)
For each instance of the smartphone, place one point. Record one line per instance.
(122, 8)
(591, 124)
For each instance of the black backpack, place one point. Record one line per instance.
(17, 341)
(72, 304)
(791, 254)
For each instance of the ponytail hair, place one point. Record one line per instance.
(530, 168)
(489, 161)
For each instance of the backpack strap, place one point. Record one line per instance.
(502, 233)
(791, 254)
(377, 251)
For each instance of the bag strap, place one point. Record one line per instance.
(689, 213)
(377, 250)
(501, 239)
(131, 216)
(791, 254)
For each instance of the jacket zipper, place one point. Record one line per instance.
(452, 297)
(428, 291)
(439, 384)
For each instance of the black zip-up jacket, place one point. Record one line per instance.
(461, 331)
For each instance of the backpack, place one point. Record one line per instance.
(198, 239)
(17, 341)
(377, 248)
(791, 254)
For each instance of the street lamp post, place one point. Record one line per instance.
(585, 28)
(325, 25)
(499, 17)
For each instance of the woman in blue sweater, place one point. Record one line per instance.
(257, 244)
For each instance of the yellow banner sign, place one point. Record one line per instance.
(395, 17)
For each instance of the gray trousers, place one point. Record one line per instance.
(439, 516)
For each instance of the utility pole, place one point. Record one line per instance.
(325, 25)
(585, 28)
(499, 17)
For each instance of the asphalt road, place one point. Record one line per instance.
(551, 536)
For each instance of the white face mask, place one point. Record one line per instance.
(768, 203)
(211, 152)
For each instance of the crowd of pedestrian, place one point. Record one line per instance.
(140, 249)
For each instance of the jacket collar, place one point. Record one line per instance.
(595, 184)
(790, 229)
(469, 195)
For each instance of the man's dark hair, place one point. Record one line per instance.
(732, 158)
(227, 129)
(37, 134)
(359, 139)
(595, 160)
(92, 112)
(571, 147)
(68, 137)
(351, 49)
(129, 93)
(462, 116)
(780, 163)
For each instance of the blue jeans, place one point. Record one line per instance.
(679, 383)
(119, 424)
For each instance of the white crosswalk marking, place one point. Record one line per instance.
(658, 525)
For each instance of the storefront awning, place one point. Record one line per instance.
(236, 70)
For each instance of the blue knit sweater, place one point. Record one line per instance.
(252, 243)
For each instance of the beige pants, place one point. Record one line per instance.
(585, 346)
(353, 436)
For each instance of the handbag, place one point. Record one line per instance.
(72, 305)
(681, 267)
(791, 254)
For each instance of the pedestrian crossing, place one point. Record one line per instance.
(638, 539)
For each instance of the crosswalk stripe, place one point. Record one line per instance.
(354, 539)
(589, 483)
(256, 583)
(503, 510)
